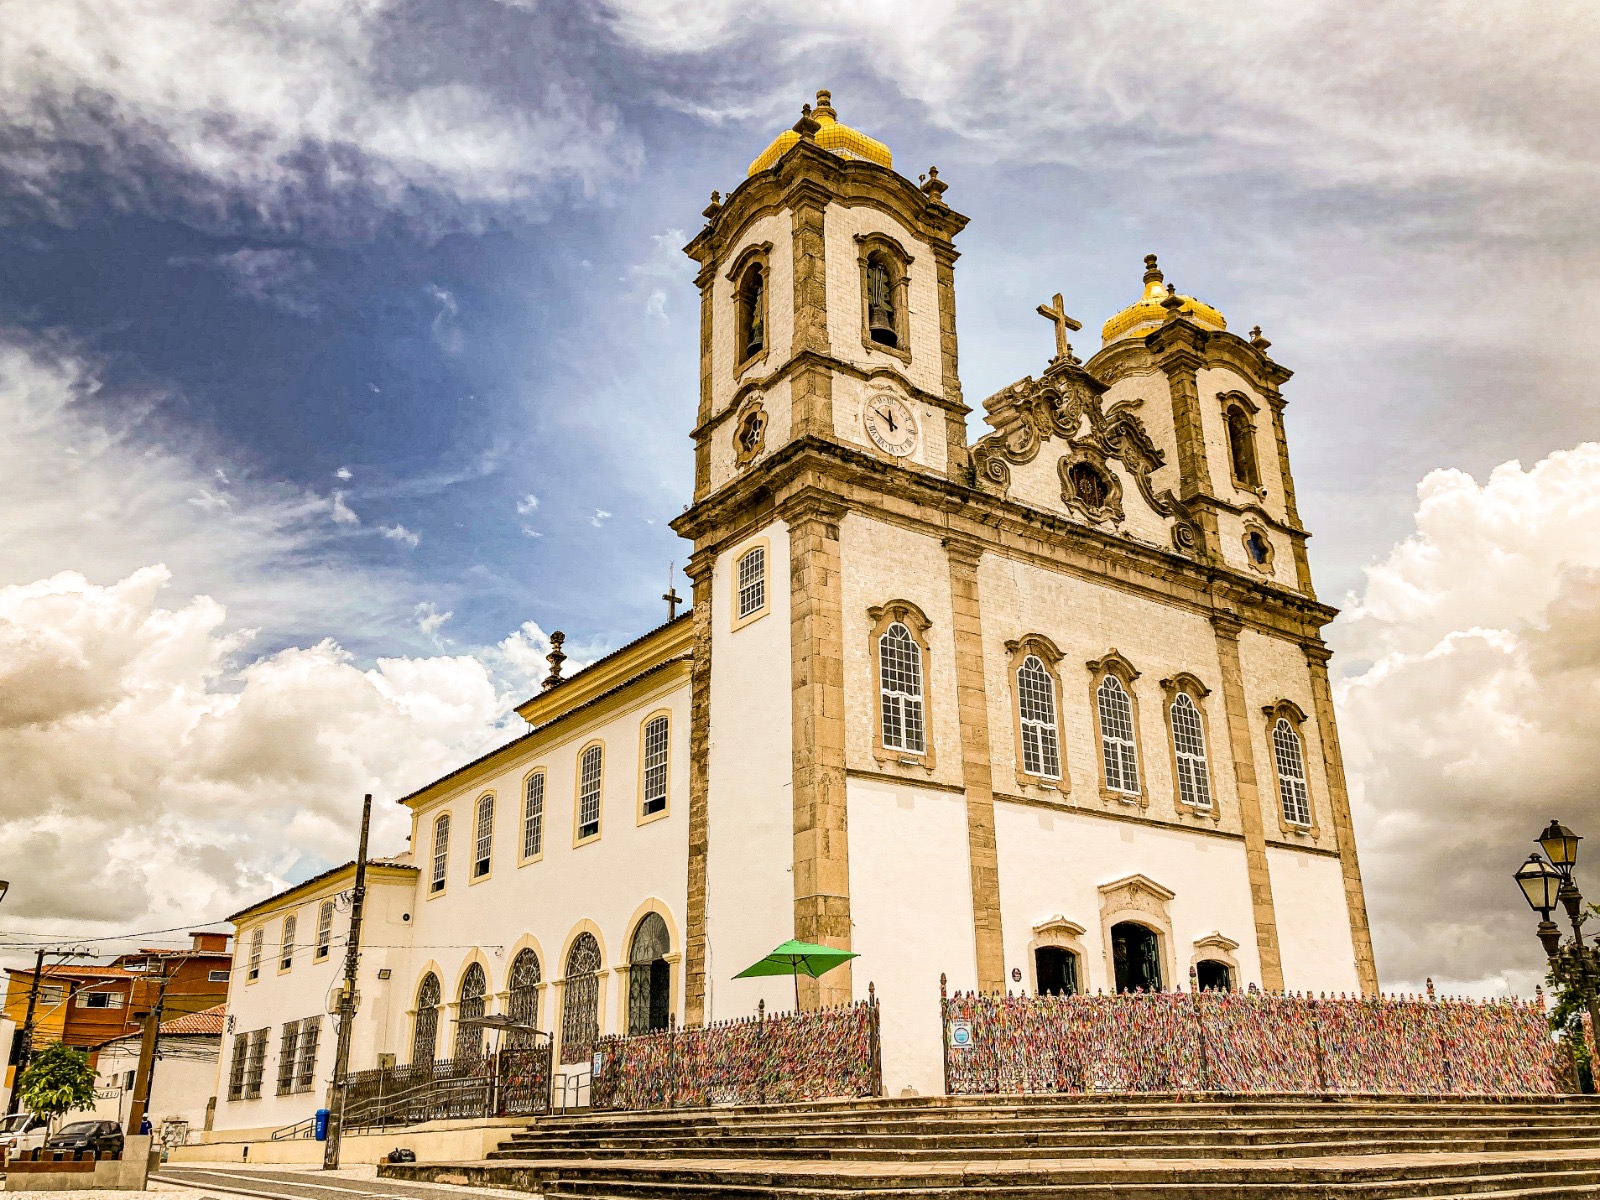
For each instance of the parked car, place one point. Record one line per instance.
(103, 1137)
(22, 1131)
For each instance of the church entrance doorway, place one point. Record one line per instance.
(1055, 971)
(1136, 954)
(649, 977)
(1213, 976)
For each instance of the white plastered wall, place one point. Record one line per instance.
(911, 916)
(850, 397)
(184, 1081)
(750, 857)
(1313, 929)
(776, 402)
(544, 902)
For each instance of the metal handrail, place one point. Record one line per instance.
(567, 1089)
(300, 1129)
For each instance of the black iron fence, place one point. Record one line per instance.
(1244, 1042)
(512, 1082)
(833, 1053)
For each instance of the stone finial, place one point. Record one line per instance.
(714, 207)
(807, 125)
(825, 104)
(1173, 303)
(1259, 342)
(555, 658)
(933, 187)
(1152, 273)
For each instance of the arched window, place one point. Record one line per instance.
(533, 817)
(286, 951)
(1036, 701)
(1291, 766)
(883, 316)
(258, 940)
(522, 999)
(752, 306)
(324, 930)
(653, 760)
(752, 582)
(900, 677)
(425, 1034)
(1210, 975)
(1136, 956)
(590, 770)
(483, 848)
(580, 1003)
(1117, 751)
(1189, 750)
(1242, 449)
(441, 852)
(1055, 971)
(469, 1007)
(649, 976)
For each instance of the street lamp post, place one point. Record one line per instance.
(1546, 882)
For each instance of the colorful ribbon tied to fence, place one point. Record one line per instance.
(1244, 1042)
(828, 1054)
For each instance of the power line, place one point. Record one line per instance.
(46, 940)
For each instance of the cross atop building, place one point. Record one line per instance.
(1056, 311)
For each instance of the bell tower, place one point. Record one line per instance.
(827, 308)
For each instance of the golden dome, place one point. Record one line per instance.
(1150, 312)
(832, 136)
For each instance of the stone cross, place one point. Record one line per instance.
(671, 595)
(1057, 312)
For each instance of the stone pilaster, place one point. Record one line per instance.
(1227, 628)
(956, 457)
(1302, 565)
(972, 710)
(694, 935)
(1317, 656)
(812, 388)
(816, 640)
(1177, 347)
(706, 280)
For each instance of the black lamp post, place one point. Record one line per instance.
(1547, 882)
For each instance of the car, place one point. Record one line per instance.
(22, 1131)
(102, 1137)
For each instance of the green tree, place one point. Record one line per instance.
(1566, 1011)
(57, 1080)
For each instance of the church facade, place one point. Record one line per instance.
(1045, 711)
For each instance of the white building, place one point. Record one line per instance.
(184, 1079)
(1045, 711)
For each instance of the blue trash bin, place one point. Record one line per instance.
(320, 1125)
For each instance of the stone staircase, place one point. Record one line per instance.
(1020, 1147)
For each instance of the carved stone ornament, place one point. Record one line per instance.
(749, 432)
(1089, 487)
(1136, 893)
(1057, 927)
(1217, 942)
(1067, 404)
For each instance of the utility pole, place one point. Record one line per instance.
(25, 1038)
(347, 999)
(144, 1076)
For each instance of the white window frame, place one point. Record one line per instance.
(655, 762)
(483, 839)
(258, 944)
(902, 712)
(324, 942)
(590, 793)
(1041, 735)
(533, 816)
(1289, 757)
(750, 580)
(1192, 766)
(440, 863)
(1119, 754)
(286, 945)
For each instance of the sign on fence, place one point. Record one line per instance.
(829, 1054)
(1243, 1042)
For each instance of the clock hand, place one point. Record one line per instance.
(889, 417)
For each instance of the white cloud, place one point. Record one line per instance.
(399, 533)
(1479, 716)
(444, 330)
(529, 531)
(601, 516)
(429, 619)
(527, 504)
(341, 512)
(285, 110)
(344, 473)
(278, 277)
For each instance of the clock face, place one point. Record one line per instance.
(890, 424)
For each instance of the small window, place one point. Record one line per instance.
(88, 999)
(752, 306)
(484, 846)
(1258, 548)
(441, 852)
(1210, 975)
(1189, 748)
(1291, 766)
(1117, 749)
(258, 941)
(589, 774)
(753, 582)
(655, 766)
(310, 1035)
(324, 930)
(900, 678)
(1242, 449)
(533, 817)
(236, 1072)
(1036, 700)
(288, 1049)
(1055, 971)
(216, 977)
(286, 951)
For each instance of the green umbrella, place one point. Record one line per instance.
(797, 959)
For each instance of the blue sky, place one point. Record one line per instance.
(368, 324)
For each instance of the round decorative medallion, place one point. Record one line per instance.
(890, 424)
